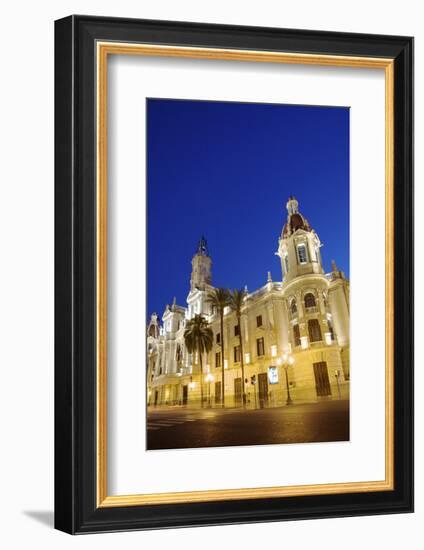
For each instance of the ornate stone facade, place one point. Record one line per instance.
(295, 333)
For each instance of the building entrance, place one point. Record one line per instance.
(237, 391)
(218, 392)
(185, 394)
(322, 382)
(263, 389)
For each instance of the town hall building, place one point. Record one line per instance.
(295, 333)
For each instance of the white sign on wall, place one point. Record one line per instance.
(273, 375)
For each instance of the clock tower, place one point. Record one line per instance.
(201, 273)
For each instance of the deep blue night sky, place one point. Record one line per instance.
(226, 170)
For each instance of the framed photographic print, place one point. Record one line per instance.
(234, 269)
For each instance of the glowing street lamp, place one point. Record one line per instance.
(287, 360)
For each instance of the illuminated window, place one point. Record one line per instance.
(310, 300)
(274, 351)
(314, 330)
(260, 347)
(301, 253)
(296, 335)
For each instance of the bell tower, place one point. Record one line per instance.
(299, 245)
(201, 272)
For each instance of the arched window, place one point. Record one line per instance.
(310, 300)
(293, 306)
(314, 330)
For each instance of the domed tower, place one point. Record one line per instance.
(305, 286)
(299, 245)
(153, 335)
(153, 327)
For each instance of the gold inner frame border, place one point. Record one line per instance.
(103, 50)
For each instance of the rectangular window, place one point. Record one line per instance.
(296, 335)
(236, 330)
(260, 347)
(301, 253)
(259, 321)
(218, 337)
(218, 359)
(237, 354)
(314, 330)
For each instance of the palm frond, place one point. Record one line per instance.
(198, 335)
(218, 298)
(236, 300)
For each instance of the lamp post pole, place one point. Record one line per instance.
(288, 360)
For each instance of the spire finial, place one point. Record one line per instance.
(292, 205)
(269, 279)
(202, 247)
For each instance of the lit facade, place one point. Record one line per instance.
(295, 333)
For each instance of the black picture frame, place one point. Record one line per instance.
(76, 510)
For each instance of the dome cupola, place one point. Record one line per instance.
(295, 220)
(299, 245)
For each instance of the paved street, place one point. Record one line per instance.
(179, 428)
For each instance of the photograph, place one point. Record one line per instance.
(247, 314)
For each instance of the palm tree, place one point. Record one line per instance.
(198, 337)
(218, 298)
(236, 299)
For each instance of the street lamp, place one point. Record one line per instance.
(287, 361)
(337, 375)
(209, 378)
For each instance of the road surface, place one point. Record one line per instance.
(180, 427)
